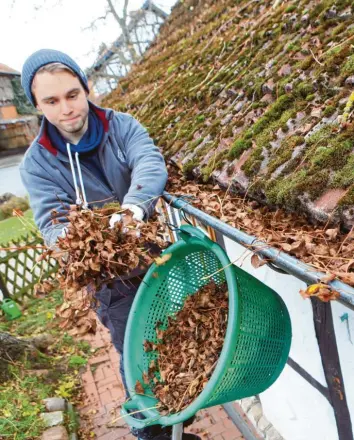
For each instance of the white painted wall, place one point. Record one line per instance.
(294, 407)
(345, 346)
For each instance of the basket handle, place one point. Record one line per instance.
(132, 421)
(188, 231)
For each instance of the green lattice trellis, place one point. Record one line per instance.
(19, 269)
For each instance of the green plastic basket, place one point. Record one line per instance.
(258, 334)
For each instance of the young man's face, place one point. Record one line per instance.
(62, 99)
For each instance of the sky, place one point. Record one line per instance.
(30, 25)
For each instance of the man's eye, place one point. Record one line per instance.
(73, 96)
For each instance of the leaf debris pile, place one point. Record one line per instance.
(91, 254)
(325, 247)
(188, 349)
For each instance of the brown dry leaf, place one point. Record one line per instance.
(147, 346)
(332, 233)
(257, 262)
(346, 277)
(328, 278)
(139, 389)
(44, 288)
(321, 291)
(146, 379)
(350, 265)
(160, 261)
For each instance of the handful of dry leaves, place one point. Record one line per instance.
(91, 254)
(189, 349)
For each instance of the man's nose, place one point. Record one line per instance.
(65, 108)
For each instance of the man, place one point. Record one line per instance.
(118, 161)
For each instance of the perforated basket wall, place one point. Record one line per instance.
(262, 346)
(258, 354)
(257, 340)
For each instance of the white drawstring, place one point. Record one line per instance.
(85, 205)
(78, 198)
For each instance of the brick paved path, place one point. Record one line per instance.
(104, 394)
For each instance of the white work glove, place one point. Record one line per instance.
(63, 232)
(138, 214)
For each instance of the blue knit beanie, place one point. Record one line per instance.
(41, 58)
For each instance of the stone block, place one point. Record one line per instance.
(273, 434)
(247, 403)
(53, 418)
(255, 413)
(55, 433)
(263, 424)
(55, 404)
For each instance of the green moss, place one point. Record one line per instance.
(306, 63)
(348, 198)
(293, 47)
(193, 145)
(303, 89)
(348, 67)
(285, 152)
(171, 69)
(345, 176)
(263, 138)
(255, 91)
(188, 168)
(283, 103)
(320, 136)
(329, 110)
(290, 9)
(286, 191)
(253, 163)
(215, 162)
(238, 147)
(310, 97)
(335, 57)
(279, 190)
(331, 156)
(215, 127)
(338, 30)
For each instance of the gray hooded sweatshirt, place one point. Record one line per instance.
(133, 166)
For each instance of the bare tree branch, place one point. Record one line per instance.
(92, 25)
(124, 26)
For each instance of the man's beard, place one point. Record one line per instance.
(75, 129)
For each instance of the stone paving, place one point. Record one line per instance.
(103, 395)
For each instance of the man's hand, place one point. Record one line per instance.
(138, 215)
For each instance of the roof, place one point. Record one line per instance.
(255, 96)
(6, 70)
